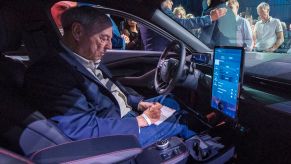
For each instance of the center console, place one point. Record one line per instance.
(213, 146)
(216, 145)
(171, 150)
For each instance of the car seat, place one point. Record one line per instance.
(25, 131)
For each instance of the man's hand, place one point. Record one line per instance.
(142, 106)
(153, 113)
(217, 13)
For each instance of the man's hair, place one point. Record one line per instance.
(232, 3)
(85, 15)
(263, 5)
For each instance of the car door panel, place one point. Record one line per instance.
(135, 69)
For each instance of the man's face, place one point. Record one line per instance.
(234, 7)
(263, 13)
(93, 43)
(131, 22)
(58, 9)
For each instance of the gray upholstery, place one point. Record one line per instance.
(109, 149)
(9, 157)
(39, 135)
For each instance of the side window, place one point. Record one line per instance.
(127, 34)
(135, 36)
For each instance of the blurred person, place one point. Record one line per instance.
(196, 22)
(155, 42)
(285, 29)
(268, 33)
(221, 32)
(57, 10)
(251, 21)
(210, 4)
(180, 12)
(214, 3)
(242, 14)
(284, 26)
(243, 28)
(83, 99)
(195, 32)
(132, 34)
(205, 5)
(118, 40)
(287, 41)
(193, 6)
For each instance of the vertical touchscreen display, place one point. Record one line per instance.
(226, 79)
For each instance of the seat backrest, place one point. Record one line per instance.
(20, 124)
(41, 134)
(13, 110)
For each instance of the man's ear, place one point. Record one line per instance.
(77, 31)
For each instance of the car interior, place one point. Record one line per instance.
(255, 130)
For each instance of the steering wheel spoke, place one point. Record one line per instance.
(163, 83)
(161, 62)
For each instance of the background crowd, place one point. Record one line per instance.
(236, 27)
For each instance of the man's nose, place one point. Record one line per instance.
(108, 45)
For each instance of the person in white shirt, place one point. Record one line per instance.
(268, 33)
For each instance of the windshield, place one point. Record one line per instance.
(253, 24)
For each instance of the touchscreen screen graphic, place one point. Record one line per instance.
(226, 80)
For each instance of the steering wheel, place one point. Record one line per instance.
(169, 71)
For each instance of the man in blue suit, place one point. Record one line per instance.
(74, 90)
(221, 32)
(155, 42)
(195, 22)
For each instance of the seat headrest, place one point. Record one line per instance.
(10, 30)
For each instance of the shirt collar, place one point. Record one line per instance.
(85, 62)
(269, 20)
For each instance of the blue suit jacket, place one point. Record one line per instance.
(62, 89)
